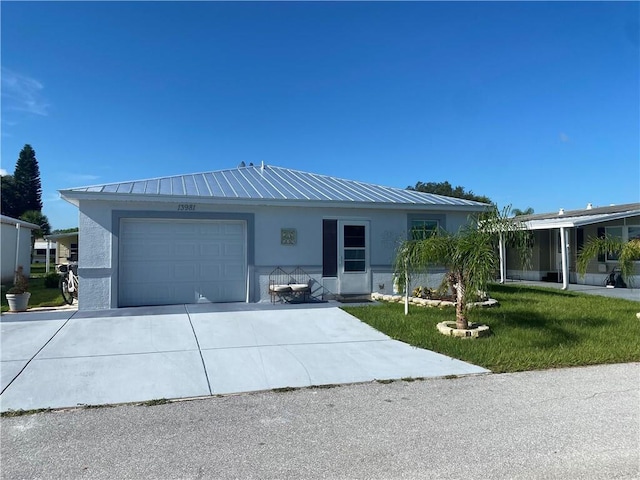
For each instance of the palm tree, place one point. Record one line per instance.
(470, 255)
(627, 252)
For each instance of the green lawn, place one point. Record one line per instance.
(533, 328)
(40, 295)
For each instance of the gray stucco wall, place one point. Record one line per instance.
(8, 242)
(99, 225)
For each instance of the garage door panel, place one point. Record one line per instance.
(211, 271)
(233, 229)
(211, 250)
(139, 272)
(233, 272)
(175, 261)
(231, 249)
(185, 272)
(149, 249)
(186, 249)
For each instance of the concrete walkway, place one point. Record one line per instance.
(69, 358)
(623, 293)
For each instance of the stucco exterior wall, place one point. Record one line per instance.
(99, 226)
(9, 239)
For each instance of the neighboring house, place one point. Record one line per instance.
(566, 231)
(217, 236)
(65, 246)
(15, 246)
(40, 249)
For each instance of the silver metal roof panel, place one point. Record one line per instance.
(269, 183)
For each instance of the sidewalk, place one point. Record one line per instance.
(624, 293)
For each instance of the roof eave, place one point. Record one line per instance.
(74, 197)
(546, 224)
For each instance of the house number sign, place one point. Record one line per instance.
(186, 207)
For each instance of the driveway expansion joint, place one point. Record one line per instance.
(204, 366)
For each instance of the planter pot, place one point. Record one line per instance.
(18, 301)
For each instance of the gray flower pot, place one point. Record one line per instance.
(18, 301)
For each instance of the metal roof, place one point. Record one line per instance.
(578, 218)
(622, 208)
(266, 183)
(15, 222)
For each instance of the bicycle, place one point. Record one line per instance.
(69, 282)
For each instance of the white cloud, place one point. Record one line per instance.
(22, 93)
(3, 172)
(80, 177)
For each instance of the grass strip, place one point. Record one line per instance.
(532, 329)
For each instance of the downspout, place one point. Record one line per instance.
(17, 247)
(564, 250)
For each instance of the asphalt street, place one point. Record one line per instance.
(578, 423)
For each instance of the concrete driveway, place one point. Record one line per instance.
(66, 359)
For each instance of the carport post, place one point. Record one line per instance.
(406, 289)
(564, 253)
(502, 259)
(48, 260)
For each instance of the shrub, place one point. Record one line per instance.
(20, 283)
(51, 280)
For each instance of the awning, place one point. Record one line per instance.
(577, 221)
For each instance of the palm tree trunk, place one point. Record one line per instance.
(461, 319)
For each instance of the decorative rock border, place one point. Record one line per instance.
(425, 302)
(475, 330)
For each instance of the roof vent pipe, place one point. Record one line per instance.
(262, 166)
(589, 206)
(561, 212)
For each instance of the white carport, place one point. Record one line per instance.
(563, 222)
(62, 242)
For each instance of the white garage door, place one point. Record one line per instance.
(168, 261)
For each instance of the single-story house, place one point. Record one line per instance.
(15, 246)
(65, 246)
(565, 232)
(219, 236)
(40, 249)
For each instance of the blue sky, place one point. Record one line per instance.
(531, 104)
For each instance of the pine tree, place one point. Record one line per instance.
(26, 176)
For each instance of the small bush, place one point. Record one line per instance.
(51, 280)
(20, 283)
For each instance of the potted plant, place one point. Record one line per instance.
(18, 295)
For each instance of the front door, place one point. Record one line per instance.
(354, 271)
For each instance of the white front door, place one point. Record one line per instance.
(354, 271)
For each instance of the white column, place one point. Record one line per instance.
(48, 260)
(564, 254)
(503, 266)
(406, 291)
